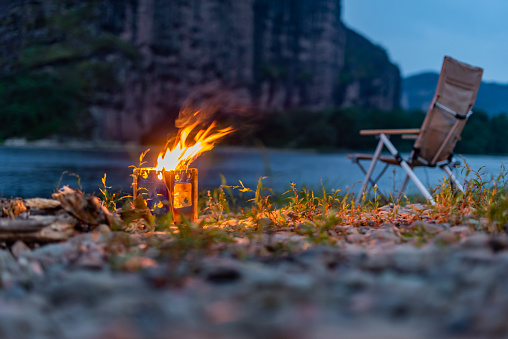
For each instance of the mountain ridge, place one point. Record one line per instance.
(418, 90)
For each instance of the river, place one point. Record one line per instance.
(35, 172)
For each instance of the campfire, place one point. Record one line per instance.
(171, 186)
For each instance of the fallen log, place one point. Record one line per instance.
(23, 225)
(30, 231)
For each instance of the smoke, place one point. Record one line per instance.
(211, 103)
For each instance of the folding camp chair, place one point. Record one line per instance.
(450, 108)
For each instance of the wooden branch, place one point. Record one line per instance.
(22, 225)
(38, 237)
(30, 230)
(389, 131)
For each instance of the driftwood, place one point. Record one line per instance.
(44, 235)
(21, 225)
(40, 220)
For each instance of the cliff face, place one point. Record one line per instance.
(151, 54)
(367, 79)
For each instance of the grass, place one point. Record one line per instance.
(245, 222)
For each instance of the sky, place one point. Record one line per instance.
(417, 34)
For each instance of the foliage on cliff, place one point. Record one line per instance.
(63, 66)
(38, 105)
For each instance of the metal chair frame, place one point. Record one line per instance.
(406, 165)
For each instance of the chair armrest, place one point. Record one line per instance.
(389, 131)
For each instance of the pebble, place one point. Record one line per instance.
(447, 238)
(355, 238)
(449, 282)
(407, 258)
(102, 228)
(428, 227)
(461, 229)
(19, 248)
(475, 240)
(383, 235)
(59, 253)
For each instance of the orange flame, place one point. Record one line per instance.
(181, 155)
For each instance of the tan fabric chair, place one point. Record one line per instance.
(435, 141)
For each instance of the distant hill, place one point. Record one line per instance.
(417, 92)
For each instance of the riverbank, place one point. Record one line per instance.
(37, 172)
(314, 268)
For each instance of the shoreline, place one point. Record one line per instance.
(85, 145)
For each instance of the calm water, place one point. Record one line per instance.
(26, 172)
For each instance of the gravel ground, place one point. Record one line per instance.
(411, 279)
(368, 285)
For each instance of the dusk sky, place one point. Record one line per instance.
(417, 34)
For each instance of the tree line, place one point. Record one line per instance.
(336, 129)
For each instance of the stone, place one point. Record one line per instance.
(358, 280)
(383, 235)
(7, 261)
(91, 260)
(52, 254)
(223, 275)
(498, 243)
(461, 229)
(102, 228)
(388, 226)
(377, 260)
(136, 263)
(19, 248)
(407, 258)
(88, 287)
(302, 283)
(19, 320)
(355, 238)
(428, 227)
(475, 240)
(446, 238)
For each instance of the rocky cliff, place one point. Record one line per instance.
(138, 60)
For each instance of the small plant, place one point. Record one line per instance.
(216, 204)
(262, 203)
(109, 199)
(71, 175)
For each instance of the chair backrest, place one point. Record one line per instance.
(454, 98)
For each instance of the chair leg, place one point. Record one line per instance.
(408, 169)
(448, 171)
(372, 182)
(380, 175)
(403, 186)
(377, 153)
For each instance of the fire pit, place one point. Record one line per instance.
(168, 191)
(171, 186)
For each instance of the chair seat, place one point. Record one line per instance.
(384, 158)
